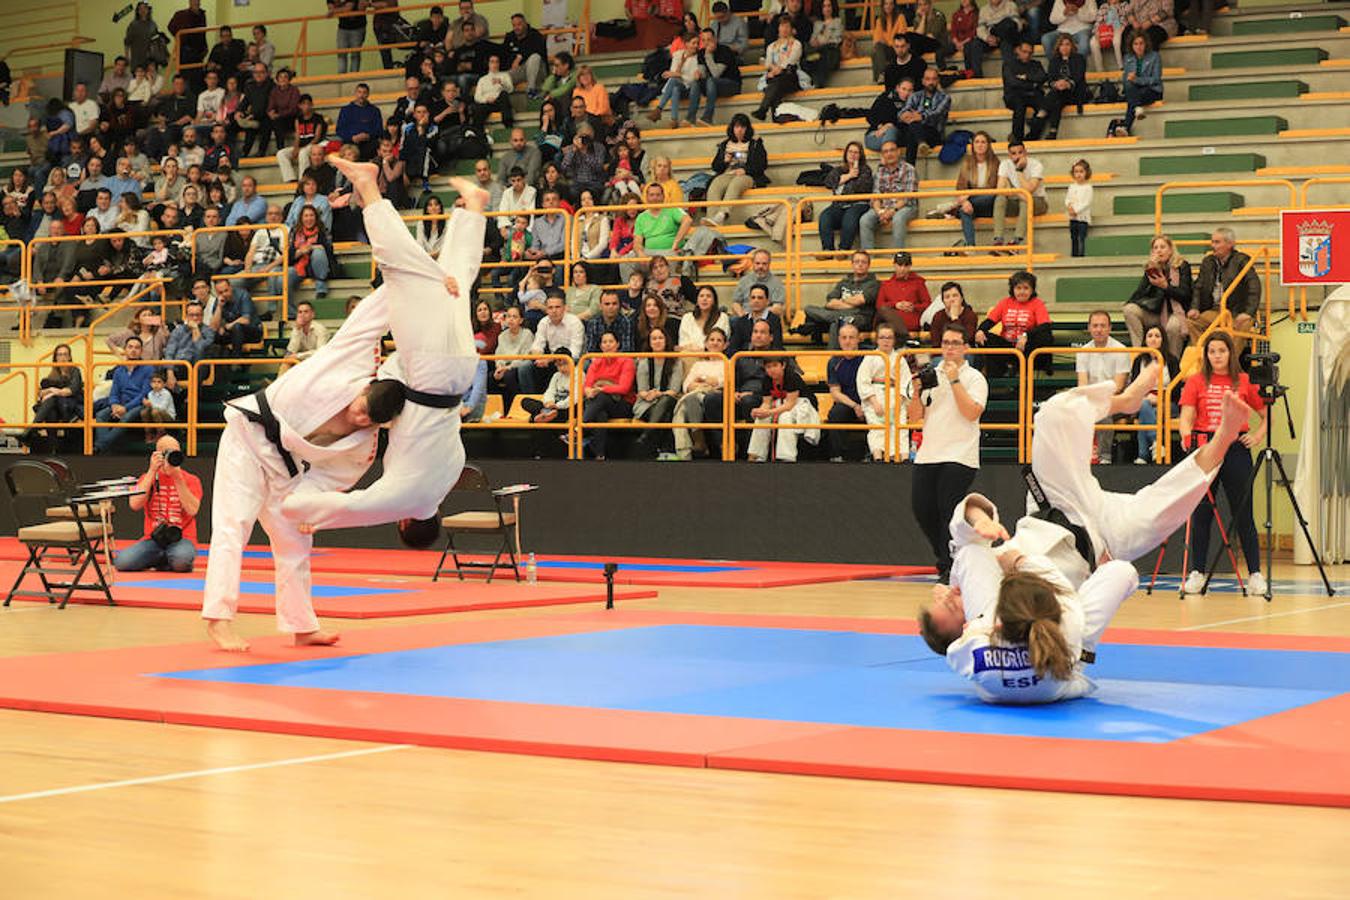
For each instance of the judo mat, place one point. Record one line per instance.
(1204, 716)
(633, 570)
(344, 596)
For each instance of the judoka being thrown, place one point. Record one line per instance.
(313, 430)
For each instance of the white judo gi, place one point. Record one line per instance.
(1122, 527)
(435, 354)
(252, 479)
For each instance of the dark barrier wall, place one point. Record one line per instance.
(818, 512)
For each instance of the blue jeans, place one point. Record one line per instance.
(1148, 415)
(711, 88)
(146, 554)
(870, 222)
(982, 206)
(872, 142)
(1082, 40)
(672, 93)
(318, 270)
(106, 437)
(844, 218)
(350, 38)
(1136, 97)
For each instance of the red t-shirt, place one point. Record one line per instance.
(1207, 398)
(1019, 318)
(162, 504)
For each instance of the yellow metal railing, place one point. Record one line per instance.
(1030, 382)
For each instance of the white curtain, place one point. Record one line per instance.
(1322, 483)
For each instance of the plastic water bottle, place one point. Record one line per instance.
(531, 571)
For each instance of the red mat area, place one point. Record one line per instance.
(1299, 756)
(734, 573)
(422, 596)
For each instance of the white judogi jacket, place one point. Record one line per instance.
(435, 354)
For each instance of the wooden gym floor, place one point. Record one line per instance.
(118, 808)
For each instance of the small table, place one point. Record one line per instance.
(515, 492)
(100, 495)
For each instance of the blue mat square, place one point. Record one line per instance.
(1147, 693)
(261, 588)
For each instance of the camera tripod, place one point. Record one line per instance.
(1267, 461)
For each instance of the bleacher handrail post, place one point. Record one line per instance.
(1159, 426)
(1019, 357)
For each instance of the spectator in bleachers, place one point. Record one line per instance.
(887, 22)
(706, 376)
(433, 30)
(1218, 270)
(852, 176)
(249, 206)
(998, 27)
(485, 326)
(526, 53)
(1152, 17)
(662, 173)
(1025, 320)
(169, 186)
(928, 32)
(251, 117)
(493, 92)
(548, 230)
(923, 118)
(470, 57)
(953, 308)
(1162, 298)
(961, 31)
(652, 316)
(1148, 411)
(902, 299)
(1091, 368)
(740, 162)
(123, 180)
(178, 109)
(283, 105)
(311, 250)
(60, 128)
(70, 214)
(582, 297)
(907, 65)
(555, 404)
(1078, 205)
(872, 379)
(1112, 19)
(360, 123)
(307, 335)
(35, 145)
(104, 213)
(219, 154)
(699, 322)
(718, 75)
(583, 163)
(309, 129)
(218, 194)
(514, 340)
(782, 75)
(729, 30)
(209, 103)
(228, 54)
(190, 212)
(592, 230)
(192, 46)
(85, 110)
(19, 187)
(1023, 80)
(310, 196)
(758, 310)
(477, 29)
(894, 176)
(140, 30)
(1076, 19)
(130, 384)
(1140, 79)
(122, 261)
(784, 401)
(622, 242)
(562, 77)
(44, 213)
(266, 50)
(558, 332)
(657, 389)
(822, 49)
(853, 298)
(657, 231)
(219, 252)
(1019, 170)
(676, 292)
(392, 177)
(760, 273)
(351, 33)
(145, 326)
(795, 11)
(60, 399)
(610, 316)
(1065, 85)
(841, 375)
(747, 385)
(679, 78)
(192, 338)
(430, 232)
(417, 147)
(235, 319)
(145, 86)
(523, 155)
(630, 298)
(158, 405)
(117, 120)
(413, 91)
(883, 117)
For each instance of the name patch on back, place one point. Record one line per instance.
(1002, 658)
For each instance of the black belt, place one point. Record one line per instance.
(435, 401)
(1082, 541)
(271, 429)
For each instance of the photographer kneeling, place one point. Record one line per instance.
(949, 396)
(171, 500)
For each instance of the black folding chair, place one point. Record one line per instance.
(474, 484)
(34, 487)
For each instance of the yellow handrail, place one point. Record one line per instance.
(1218, 182)
(1159, 426)
(640, 424)
(244, 274)
(1022, 409)
(90, 423)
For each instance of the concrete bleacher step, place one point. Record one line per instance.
(1201, 164)
(1133, 245)
(1199, 202)
(1247, 90)
(1294, 56)
(1228, 127)
(1288, 25)
(1094, 288)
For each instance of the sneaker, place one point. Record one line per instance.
(1194, 582)
(1140, 461)
(1256, 585)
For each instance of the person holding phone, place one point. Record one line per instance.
(171, 498)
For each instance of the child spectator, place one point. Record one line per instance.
(1026, 324)
(1078, 204)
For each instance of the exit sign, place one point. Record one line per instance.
(1307, 327)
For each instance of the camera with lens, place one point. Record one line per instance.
(927, 377)
(1264, 371)
(172, 457)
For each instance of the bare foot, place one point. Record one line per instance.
(317, 639)
(355, 171)
(475, 198)
(1128, 401)
(1235, 415)
(222, 632)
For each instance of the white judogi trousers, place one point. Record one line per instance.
(435, 353)
(802, 413)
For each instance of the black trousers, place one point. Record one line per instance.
(838, 440)
(912, 134)
(937, 488)
(996, 366)
(601, 408)
(1235, 476)
(712, 412)
(778, 89)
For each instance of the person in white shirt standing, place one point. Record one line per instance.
(873, 394)
(1019, 620)
(950, 398)
(1018, 170)
(1094, 367)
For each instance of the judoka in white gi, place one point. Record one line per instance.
(1019, 620)
(435, 356)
